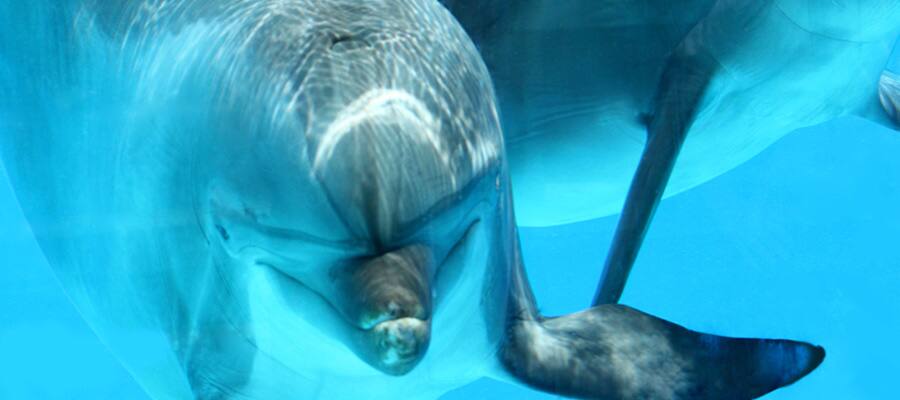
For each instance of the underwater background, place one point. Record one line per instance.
(802, 241)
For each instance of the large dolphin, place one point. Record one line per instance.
(308, 199)
(589, 88)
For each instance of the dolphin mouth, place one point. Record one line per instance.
(396, 346)
(395, 338)
(388, 298)
(391, 345)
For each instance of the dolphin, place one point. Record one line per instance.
(599, 99)
(889, 95)
(310, 199)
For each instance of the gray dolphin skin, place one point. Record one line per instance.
(594, 90)
(578, 84)
(266, 199)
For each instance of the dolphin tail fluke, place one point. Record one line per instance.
(616, 352)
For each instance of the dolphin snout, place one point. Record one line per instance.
(403, 304)
(392, 286)
(399, 344)
(388, 299)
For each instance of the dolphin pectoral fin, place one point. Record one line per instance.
(678, 97)
(616, 352)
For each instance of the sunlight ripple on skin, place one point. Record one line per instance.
(383, 104)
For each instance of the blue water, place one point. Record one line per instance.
(799, 242)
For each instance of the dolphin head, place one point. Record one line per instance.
(383, 151)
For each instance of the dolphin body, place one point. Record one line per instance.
(308, 199)
(592, 91)
(578, 84)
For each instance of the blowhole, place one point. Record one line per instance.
(348, 43)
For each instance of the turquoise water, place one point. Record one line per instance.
(799, 242)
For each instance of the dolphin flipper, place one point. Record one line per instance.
(615, 352)
(683, 83)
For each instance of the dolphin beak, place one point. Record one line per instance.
(389, 299)
(396, 346)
